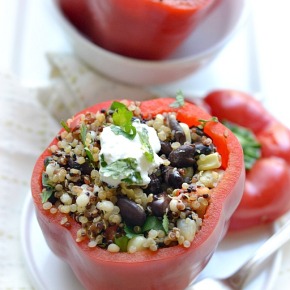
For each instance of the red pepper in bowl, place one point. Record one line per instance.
(266, 196)
(170, 267)
(145, 29)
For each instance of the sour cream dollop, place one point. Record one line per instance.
(117, 147)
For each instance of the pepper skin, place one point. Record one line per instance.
(167, 268)
(266, 196)
(145, 29)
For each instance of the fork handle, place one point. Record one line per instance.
(275, 242)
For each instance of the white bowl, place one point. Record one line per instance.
(197, 51)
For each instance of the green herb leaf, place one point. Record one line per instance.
(165, 223)
(122, 242)
(133, 178)
(204, 122)
(179, 100)
(45, 180)
(130, 233)
(152, 223)
(49, 187)
(146, 147)
(117, 105)
(103, 162)
(47, 160)
(46, 194)
(123, 167)
(84, 134)
(84, 138)
(65, 126)
(89, 154)
(122, 117)
(118, 131)
(251, 146)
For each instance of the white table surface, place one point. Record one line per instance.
(256, 60)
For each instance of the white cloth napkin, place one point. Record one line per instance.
(29, 119)
(25, 130)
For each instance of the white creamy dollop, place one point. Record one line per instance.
(117, 147)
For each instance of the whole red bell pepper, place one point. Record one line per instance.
(167, 268)
(266, 196)
(146, 29)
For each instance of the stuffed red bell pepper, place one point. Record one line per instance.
(138, 195)
(266, 145)
(146, 29)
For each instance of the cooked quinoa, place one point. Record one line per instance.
(131, 214)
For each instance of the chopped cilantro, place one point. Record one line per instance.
(45, 180)
(49, 188)
(83, 138)
(130, 233)
(204, 122)
(122, 242)
(65, 126)
(84, 134)
(117, 105)
(123, 167)
(179, 100)
(89, 154)
(165, 223)
(47, 160)
(103, 162)
(118, 131)
(46, 194)
(122, 117)
(146, 147)
(152, 223)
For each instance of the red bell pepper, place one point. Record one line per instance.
(167, 268)
(266, 196)
(146, 29)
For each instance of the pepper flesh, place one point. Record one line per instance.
(146, 269)
(146, 29)
(266, 196)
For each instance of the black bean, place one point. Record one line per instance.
(165, 148)
(85, 167)
(172, 177)
(132, 213)
(52, 199)
(159, 204)
(200, 148)
(174, 125)
(198, 131)
(155, 185)
(183, 156)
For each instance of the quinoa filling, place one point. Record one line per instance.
(131, 183)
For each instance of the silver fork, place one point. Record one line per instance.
(237, 280)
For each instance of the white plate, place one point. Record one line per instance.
(48, 272)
